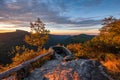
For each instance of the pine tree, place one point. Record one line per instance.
(38, 35)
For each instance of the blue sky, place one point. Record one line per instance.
(60, 16)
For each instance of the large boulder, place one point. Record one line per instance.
(81, 69)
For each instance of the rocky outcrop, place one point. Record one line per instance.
(38, 73)
(72, 70)
(64, 67)
(61, 53)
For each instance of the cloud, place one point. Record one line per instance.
(10, 21)
(7, 25)
(91, 3)
(14, 7)
(2, 2)
(21, 12)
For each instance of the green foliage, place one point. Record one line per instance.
(38, 36)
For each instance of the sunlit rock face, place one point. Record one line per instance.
(78, 70)
(70, 70)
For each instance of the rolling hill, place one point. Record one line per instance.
(11, 39)
(78, 38)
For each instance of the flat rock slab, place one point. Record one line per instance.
(81, 69)
(38, 73)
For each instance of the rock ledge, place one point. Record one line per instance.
(81, 69)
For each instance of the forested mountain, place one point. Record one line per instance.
(104, 48)
(8, 41)
(78, 38)
(12, 39)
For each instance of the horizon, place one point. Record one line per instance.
(12, 31)
(61, 17)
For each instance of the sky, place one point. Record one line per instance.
(60, 16)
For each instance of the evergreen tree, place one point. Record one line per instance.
(109, 38)
(38, 35)
(107, 24)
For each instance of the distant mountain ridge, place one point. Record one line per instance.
(81, 38)
(11, 39)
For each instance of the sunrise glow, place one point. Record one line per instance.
(61, 17)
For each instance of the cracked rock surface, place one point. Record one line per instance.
(81, 69)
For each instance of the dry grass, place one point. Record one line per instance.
(20, 58)
(113, 67)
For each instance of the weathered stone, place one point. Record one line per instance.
(68, 58)
(63, 67)
(39, 73)
(77, 70)
(72, 70)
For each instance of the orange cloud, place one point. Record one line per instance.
(3, 25)
(4, 31)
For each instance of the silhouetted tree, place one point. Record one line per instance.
(107, 24)
(38, 35)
